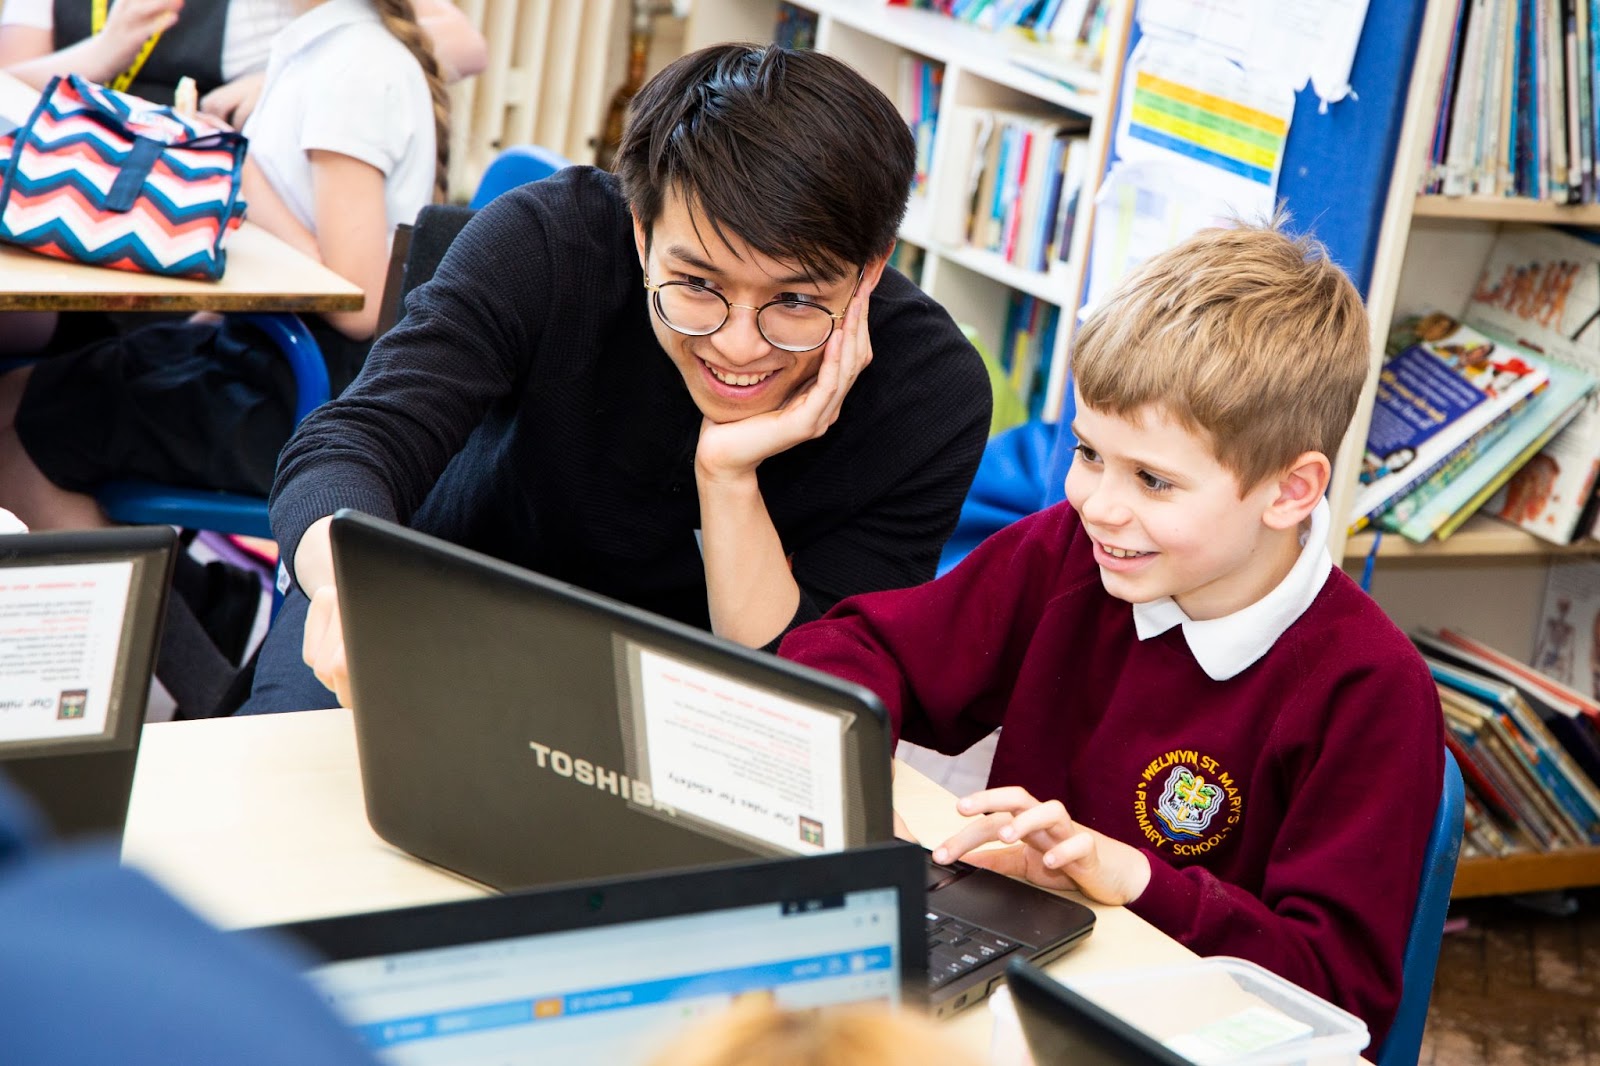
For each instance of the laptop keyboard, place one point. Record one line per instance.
(956, 948)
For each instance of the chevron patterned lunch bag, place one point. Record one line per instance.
(108, 178)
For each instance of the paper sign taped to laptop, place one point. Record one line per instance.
(739, 758)
(60, 632)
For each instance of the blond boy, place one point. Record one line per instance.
(1204, 718)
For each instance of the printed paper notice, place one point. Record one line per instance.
(1189, 106)
(60, 631)
(742, 758)
(1144, 208)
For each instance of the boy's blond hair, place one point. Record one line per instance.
(756, 1033)
(1252, 337)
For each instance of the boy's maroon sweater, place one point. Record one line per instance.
(1285, 810)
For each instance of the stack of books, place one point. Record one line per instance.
(1494, 410)
(1528, 748)
(1024, 175)
(1518, 112)
(1026, 350)
(1073, 27)
(920, 83)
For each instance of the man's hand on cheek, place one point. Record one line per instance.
(731, 451)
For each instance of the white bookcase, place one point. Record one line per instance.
(1488, 578)
(980, 70)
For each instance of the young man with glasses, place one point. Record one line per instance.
(691, 386)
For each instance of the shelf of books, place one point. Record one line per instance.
(1507, 209)
(1529, 752)
(1005, 102)
(1480, 537)
(1480, 456)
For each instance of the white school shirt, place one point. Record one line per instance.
(338, 80)
(246, 33)
(1226, 646)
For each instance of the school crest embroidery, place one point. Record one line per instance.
(1186, 802)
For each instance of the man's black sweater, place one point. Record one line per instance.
(523, 408)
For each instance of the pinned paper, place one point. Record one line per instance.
(1198, 107)
(1309, 39)
(1145, 207)
(1293, 41)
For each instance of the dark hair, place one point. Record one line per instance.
(794, 152)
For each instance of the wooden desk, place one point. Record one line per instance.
(260, 820)
(263, 273)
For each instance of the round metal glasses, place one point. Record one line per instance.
(790, 324)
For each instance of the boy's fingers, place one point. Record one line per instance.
(1011, 799)
(1013, 862)
(1049, 818)
(1074, 849)
(974, 834)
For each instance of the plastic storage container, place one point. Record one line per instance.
(1218, 1011)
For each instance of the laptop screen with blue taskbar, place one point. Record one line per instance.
(611, 994)
(605, 971)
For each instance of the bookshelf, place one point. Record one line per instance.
(1506, 209)
(1487, 579)
(983, 69)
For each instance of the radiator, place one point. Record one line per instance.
(553, 66)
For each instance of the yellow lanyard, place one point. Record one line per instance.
(125, 79)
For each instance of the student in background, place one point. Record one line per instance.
(338, 157)
(221, 44)
(1204, 718)
(753, 1032)
(692, 387)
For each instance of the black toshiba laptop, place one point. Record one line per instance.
(607, 971)
(80, 621)
(521, 731)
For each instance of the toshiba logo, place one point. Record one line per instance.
(597, 777)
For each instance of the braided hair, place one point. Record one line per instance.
(400, 18)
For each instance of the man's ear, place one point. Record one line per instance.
(640, 241)
(1299, 490)
(874, 271)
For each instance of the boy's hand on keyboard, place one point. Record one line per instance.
(1051, 849)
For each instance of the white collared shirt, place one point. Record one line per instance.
(1228, 645)
(337, 80)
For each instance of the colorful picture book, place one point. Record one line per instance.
(1444, 391)
(1541, 288)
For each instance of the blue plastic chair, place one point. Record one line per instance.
(151, 503)
(515, 166)
(1404, 1042)
(1023, 470)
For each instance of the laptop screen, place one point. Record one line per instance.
(80, 620)
(70, 623)
(612, 994)
(606, 971)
